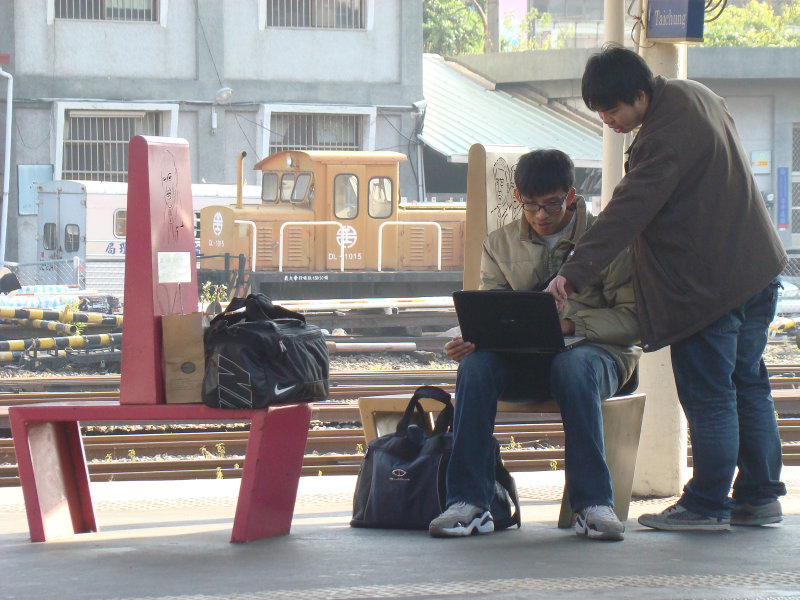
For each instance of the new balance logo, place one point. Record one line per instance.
(233, 385)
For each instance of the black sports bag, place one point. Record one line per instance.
(401, 482)
(258, 354)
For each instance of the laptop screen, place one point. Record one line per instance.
(511, 321)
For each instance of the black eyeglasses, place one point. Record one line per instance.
(550, 208)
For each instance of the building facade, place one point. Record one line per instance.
(253, 75)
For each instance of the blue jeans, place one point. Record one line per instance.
(578, 379)
(724, 389)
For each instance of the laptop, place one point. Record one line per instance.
(511, 321)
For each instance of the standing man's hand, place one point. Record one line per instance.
(457, 348)
(561, 289)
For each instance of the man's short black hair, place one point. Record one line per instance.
(543, 172)
(614, 75)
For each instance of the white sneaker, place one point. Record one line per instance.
(599, 523)
(462, 519)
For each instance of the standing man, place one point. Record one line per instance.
(706, 259)
(525, 255)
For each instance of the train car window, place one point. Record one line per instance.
(50, 236)
(300, 187)
(120, 223)
(287, 185)
(380, 197)
(345, 196)
(269, 187)
(72, 237)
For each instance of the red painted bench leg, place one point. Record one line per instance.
(54, 478)
(271, 474)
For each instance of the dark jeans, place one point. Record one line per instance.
(578, 379)
(724, 389)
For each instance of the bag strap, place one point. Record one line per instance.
(428, 391)
(503, 477)
(259, 307)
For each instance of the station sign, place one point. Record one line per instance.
(675, 20)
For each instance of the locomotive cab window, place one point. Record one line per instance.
(345, 196)
(50, 236)
(380, 197)
(120, 223)
(72, 237)
(300, 187)
(287, 185)
(269, 187)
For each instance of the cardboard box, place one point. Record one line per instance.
(183, 357)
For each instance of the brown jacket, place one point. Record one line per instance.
(689, 207)
(514, 257)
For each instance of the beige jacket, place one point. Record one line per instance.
(514, 257)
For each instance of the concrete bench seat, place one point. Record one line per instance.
(55, 479)
(622, 424)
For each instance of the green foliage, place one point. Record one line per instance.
(211, 292)
(755, 25)
(512, 445)
(451, 27)
(527, 38)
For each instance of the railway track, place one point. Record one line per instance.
(329, 451)
(185, 452)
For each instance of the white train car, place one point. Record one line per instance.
(106, 225)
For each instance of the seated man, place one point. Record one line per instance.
(525, 255)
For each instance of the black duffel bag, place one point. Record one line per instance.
(258, 354)
(401, 483)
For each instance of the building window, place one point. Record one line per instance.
(96, 143)
(108, 10)
(328, 14)
(314, 131)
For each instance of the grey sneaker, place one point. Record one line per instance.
(462, 519)
(599, 523)
(677, 518)
(757, 514)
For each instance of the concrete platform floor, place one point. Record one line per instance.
(169, 541)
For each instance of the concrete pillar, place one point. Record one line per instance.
(661, 462)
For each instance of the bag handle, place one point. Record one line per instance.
(445, 418)
(259, 307)
(503, 477)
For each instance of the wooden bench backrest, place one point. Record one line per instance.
(490, 200)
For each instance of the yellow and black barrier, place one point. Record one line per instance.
(57, 326)
(65, 316)
(72, 341)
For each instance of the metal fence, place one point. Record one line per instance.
(49, 272)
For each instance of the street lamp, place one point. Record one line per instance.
(223, 96)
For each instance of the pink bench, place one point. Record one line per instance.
(55, 479)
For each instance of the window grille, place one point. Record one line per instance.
(96, 144)
(108, 10)
(329, 14)
(312, 131)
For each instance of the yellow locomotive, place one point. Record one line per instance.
(331, 224)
